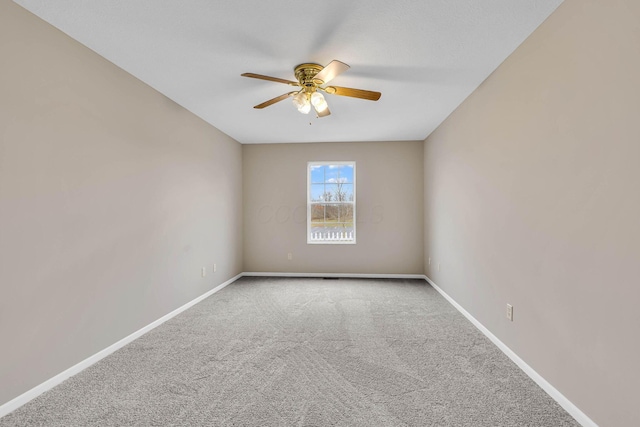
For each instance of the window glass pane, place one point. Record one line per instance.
(346, 173)
(328, 234)
(346, 214)
(317, 173)
(332, 214)
(331, 173)
(334, 176)
(330, 193)
(345, 192)
(317, 192)
(344, 230)
(339, 194)
(317, 214)
(317, 228)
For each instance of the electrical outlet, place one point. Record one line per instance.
(204, 271)
(289, 256)
(510, 312)
(215, 268)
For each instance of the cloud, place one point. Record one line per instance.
(336, 180)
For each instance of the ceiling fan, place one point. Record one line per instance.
(312, 79)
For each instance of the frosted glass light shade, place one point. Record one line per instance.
(319, 102)
(301, 102)
(305, 108)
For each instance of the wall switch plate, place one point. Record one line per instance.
(438, 266)
(510, 312)
(429, 260)
(215, 268)
(204, 271)
(289, 256)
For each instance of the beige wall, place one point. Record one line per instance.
(532, 198)
(389, 205)
(112, 198)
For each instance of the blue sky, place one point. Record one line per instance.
(323, 179)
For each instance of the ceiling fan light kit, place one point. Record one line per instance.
(311, 79)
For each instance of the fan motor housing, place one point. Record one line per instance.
(305, 74)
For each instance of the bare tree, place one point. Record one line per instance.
(345, 209)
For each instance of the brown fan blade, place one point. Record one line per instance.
(271, 79)
(323, 113)
(354, 93)
(274, 100)
(332, 70)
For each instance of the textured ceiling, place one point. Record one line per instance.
(425, 56)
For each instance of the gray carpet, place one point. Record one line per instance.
(304, 352)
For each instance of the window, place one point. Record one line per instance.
(331, 202)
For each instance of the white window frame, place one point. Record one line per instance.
(309, 202)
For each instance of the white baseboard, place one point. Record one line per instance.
(25, 397)
(345, 275)
(566, 404)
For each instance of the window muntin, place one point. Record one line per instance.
(331, 202)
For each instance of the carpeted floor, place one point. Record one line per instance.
(304, 352)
